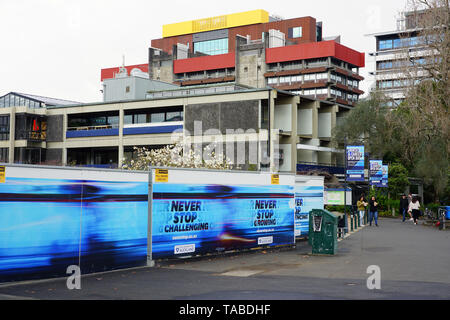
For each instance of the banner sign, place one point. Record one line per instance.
(355, 163)
(376, 172)
(195, 218)
(385, 176)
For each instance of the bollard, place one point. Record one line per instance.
(359, 220)
(351, 222)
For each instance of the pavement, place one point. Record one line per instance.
(414, 261)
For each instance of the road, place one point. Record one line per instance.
(414, 263)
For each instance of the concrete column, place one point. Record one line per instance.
(121, 116)
(272, 138)
(12, 134)
(64, 149)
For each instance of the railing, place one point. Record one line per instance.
(93, 127)
(31, 135)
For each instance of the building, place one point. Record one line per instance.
(104, 134)
(133, 85)
(23, 127)
(396, 51)
(274, 83)
(257, 50)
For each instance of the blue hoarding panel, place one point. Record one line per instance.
(307, 198)
(199, 219)
(48, 224)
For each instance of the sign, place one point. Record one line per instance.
(192, 217)
(307, 198)
(2, 174)
(385, 176)
(337, 197)
(161, 175)
(355, 163)
(375, 172)
(275, 179)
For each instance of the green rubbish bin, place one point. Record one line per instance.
(323, 232)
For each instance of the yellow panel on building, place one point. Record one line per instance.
(216, 23)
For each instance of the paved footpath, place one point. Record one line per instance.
(414, 262)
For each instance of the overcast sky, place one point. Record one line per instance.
(57, 48)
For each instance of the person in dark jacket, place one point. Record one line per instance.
(373, 210)
(404, 203)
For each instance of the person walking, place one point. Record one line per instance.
(404, 206)
(410, 197)
(373, 210)
(361, 205)
(414, 209)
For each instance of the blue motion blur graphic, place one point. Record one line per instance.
(198, 219)
(306, 199)
(48, 224)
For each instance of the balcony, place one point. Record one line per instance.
(152, 128)
(92, 131)
(30, 135)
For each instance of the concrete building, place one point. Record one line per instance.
(254, 49)
(396, 51)
(103, 134)
(131, 86)
(24, 126)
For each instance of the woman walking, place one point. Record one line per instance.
(414, 209)
(361, 204)
(373, 210)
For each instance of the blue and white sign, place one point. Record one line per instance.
(385, 176)
(192, 216)
(376, 172)
(309, 195)
(355, 163)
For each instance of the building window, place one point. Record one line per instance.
(212, 47)
(385, 44)
(322, 76)
(297, 32)
(4, 127)
(4, 155)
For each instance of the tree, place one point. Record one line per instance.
(416, 133)
(177, 155)
(398, 179)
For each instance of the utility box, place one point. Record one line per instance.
(323, 232)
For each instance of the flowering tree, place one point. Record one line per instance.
(178, 155)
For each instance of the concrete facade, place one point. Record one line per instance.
(273, 121)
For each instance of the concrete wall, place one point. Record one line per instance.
(222, 115)
(55, 128)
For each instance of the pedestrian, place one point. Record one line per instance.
(414, 209)
(410, 197)
(373, 210)
(404, 205)
(361, 205)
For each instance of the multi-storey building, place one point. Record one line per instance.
(23, 127)
(254, 49)
(105, 133)
(396, 53)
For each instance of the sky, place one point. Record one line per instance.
(56, 48)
